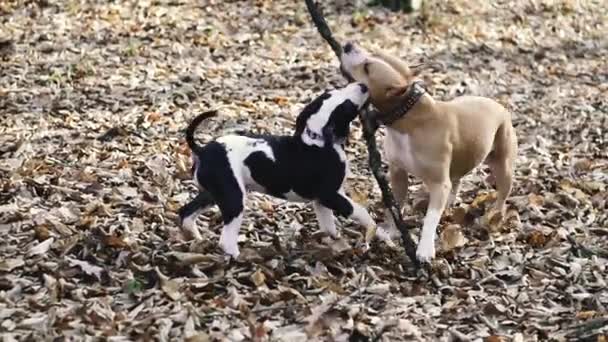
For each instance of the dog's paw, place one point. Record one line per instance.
(333, 233)
(426, 251)
(231, 248)
(383, 235)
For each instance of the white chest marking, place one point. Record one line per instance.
(398, 149)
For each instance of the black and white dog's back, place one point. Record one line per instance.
(310, 165)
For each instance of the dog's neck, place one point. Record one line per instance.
(313, 139)
(405, 103)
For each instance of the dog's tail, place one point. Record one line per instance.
(192, 128)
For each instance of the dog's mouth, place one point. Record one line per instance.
(346, 74)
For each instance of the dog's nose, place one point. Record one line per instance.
(364, 88)
(348, 47)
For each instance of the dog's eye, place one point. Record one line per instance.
(366, 68)
(312, 135)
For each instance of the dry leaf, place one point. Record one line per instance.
(258, 278)
(452, 237)
(86, 267)
(537, 239)
(41, 248)
(8, 265)
(586, 314)
(170, 287)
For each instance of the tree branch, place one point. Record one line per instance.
(369, 123)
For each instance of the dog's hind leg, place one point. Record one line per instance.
(326, 219)
(189, 213)
(231, 201)
(454, 193)
(502, 171)
(501, 162)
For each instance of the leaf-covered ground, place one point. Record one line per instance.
(94, 97)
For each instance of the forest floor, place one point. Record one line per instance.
(94, 100)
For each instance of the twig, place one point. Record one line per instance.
(369, 123)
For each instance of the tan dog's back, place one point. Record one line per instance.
(469, 147)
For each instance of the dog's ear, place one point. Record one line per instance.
(392, 91)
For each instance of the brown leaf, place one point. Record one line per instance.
(8, 265)
(483, 199)
(258, 278)
(41, 232)
(584, 315)
(115, 242)
(536, 200)
(459, 215)
(537, 239)
(452, 237)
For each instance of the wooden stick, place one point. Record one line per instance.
(369, 123)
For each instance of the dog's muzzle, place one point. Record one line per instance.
(346, 74)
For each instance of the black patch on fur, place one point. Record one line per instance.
(308, 111)
(202, 200)
(338, 203)
(337, 127)
(215, 175)
(309, 171)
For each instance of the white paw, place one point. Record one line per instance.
(230, 247)
(385, 236)
(331, 232)
(426, 250)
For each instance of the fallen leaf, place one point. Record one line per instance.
(8, 265)
(41, 248)
(86, 267)
(170, 287)
(452, 237)
(258, 278)
(537, 239)
(584, 315)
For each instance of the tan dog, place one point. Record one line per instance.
(437, 141)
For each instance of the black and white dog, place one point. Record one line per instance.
(310, 165)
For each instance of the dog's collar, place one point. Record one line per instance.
(413, 94)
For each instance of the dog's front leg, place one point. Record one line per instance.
(399, 183)
(326, 219)
(439, 193)
(454, 193)
(346, 207)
